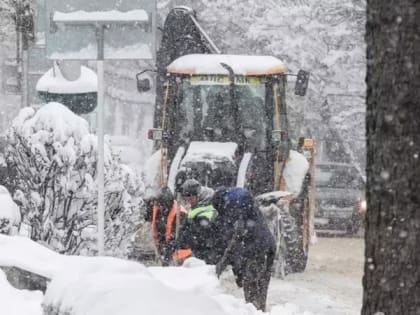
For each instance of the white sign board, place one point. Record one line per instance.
(128, 29)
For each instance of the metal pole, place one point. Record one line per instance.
(100, 133)
(24, 26)
(25, 78)
(101, 162)
(19, 61)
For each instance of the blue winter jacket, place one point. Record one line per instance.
(241, 224)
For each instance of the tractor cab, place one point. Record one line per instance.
(214, 98)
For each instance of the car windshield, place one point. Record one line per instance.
(338, 176)
(206, 106)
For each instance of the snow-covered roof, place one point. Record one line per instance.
(241, 64)
(54, 82)
(101, 16)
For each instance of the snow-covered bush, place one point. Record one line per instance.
(9, 213)
(54, 156)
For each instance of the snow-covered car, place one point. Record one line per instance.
(9, 213)
(358, 218)
(339, 191)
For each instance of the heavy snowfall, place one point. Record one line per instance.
(50, 256)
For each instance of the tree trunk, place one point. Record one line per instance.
(392, 268)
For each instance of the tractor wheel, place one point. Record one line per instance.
(298, 257)
(291, 251)
(279, 266)
(286, 235)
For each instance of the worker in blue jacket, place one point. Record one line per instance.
(246, 242)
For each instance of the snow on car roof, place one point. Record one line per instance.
(241, 64)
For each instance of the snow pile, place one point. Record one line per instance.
(53, 81)
(18, 302)
(106, 285)
(52, 123)
(295, 171)
(151, 174)
(94, 285)
(21, 252)
(210, 152)
(9, 212)
(113, 286)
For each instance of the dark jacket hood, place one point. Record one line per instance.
(234, 202)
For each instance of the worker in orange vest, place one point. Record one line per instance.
(197, 234)
(167, 218)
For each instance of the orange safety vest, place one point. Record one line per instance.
(179, 254)
(169, 220)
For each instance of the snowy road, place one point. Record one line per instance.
(331, 284)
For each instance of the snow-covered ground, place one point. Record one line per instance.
(18, 302)
(330, 286)
(332, 282)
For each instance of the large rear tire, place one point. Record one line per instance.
(283, 225)
(279, 266)
(296, 255)
(298, 258)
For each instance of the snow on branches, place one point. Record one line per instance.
(54, 158)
